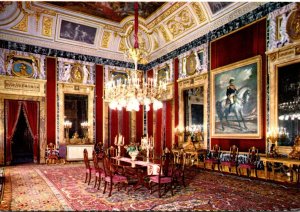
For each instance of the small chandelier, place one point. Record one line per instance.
(132, 92)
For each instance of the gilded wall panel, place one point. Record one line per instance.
(180, 22)
(105, 39)
(47, 25)
(22, 25)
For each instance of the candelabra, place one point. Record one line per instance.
(273, 136)
(85, 127)
(119, 141)
(147, 144)
(179, 131)
(67, 126)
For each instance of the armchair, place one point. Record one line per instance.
(51, 154)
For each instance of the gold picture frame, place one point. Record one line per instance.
(237, 115)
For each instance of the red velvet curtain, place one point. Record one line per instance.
(12, 110)
(99, 103)
(51, 99)
(245, 43)
(31, 112)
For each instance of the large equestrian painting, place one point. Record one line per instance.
(235, 100)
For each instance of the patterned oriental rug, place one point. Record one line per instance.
(62, 187)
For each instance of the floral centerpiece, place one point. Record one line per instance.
(133, 150)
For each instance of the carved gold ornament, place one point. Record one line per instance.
(191, 65)
(77, 73)
(293, 25)
(122, 45)
(105, 39)
(47, 26)
(166, 14)
(180, 22)
(22, 25)
(199, 12)
(164, 33)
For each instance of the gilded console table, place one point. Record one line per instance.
(192, 155)
(284, 161)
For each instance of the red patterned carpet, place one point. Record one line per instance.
(61, 187)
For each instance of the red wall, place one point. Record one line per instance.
(51, 99)
(245, 43)
(150, 112)
(176, 95)
(99, 103)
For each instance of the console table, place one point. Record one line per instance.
(284, 161)
(75, 152)
(193, 155)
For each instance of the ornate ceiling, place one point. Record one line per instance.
(105, 29)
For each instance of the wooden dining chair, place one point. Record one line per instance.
(179, 168)
(88, 169)
(251, 163)
(214, 158)
(165, 176)
(232, 160)
(99, 172)
(112, 177)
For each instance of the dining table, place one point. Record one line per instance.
(141, 169)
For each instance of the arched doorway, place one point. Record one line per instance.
(22, 142)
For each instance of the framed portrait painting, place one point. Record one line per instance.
(236, 100)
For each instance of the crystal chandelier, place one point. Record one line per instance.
(132, 92)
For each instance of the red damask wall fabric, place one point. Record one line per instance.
(99, 103)
(158, 139)
(126, 125)
(139, 124)
(150, 112)
(168, 125)
(176, 95)
(51, 99)
(245, 43)
(114, 128)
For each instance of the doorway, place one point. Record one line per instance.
(22, 142)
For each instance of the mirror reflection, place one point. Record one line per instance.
(193, 110)
(288, 104)
(76, 109)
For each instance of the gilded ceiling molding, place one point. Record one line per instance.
(122, 47)
(164, 33)
(22, 25)
(105, 39)
(199, 12)
(47, 24)
(166, 14)
(180, 22)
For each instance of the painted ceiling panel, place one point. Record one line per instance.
(115, 11)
